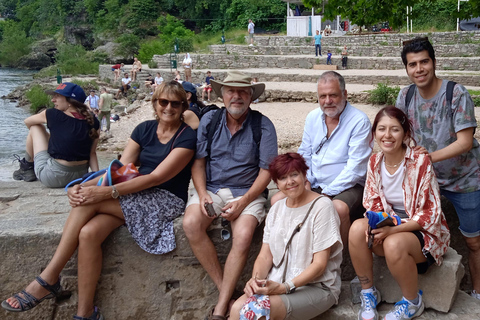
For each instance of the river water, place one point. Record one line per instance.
(13, 131)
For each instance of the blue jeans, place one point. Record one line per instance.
(467, 206)
(318, 49)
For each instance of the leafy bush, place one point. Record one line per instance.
(38, 98)
(149, 48)
(383, 94)
(152, 64)
(14, 45)
(476, 101)
(74, 59)
(87, 85)
(171, 29)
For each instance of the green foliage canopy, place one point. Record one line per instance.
(366, 12)
(15, 43)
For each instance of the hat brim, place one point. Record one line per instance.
(258, 88)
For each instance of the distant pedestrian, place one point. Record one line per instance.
(92, 102)
(344, 57)
(117, 70)
(158, 81)
(317, 40)
(208, 87)
(136, 67)
(187, 65)
(329, 57)
(251, 31)
(105, 109)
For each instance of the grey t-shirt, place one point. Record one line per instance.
(435, 126)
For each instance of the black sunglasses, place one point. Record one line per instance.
(175, 104)
(324, 140)
(419, 40)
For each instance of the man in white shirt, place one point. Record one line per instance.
(336, 145)
(251, 31)
(125, 85)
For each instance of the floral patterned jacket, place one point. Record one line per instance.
(421, 197)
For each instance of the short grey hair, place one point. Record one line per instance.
(332, 75)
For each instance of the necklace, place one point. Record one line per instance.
(392, 165)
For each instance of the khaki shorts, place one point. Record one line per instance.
(353, 198)
(224, 196)
(308, 301)
(188, 72)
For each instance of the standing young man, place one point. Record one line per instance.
(251, 31)
(317, 39)
(444, 122)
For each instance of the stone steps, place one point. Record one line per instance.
(369, 50)
(240, 61)
(380, 39)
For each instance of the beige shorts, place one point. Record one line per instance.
(224, 196)
(188, 72)
(308, 302)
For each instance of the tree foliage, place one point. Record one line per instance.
(365, 12)
(15, 43)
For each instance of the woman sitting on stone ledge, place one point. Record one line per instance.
(297, 272)
(401, 182)
(66, 153)
(147, 204)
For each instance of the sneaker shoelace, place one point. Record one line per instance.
(401, 308)
(370, 301)
(17, 158)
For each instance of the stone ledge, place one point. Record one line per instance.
(439, 284)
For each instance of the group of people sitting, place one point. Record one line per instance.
(427, 149)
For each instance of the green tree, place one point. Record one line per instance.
(365, 12)
(15, 43)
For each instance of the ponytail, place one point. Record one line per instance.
(84, 111)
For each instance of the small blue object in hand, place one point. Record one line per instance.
(379, 220)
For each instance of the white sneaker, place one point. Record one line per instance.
(368, 310)
(475, 294)
(404, 309)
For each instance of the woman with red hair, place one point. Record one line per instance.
(297, 272)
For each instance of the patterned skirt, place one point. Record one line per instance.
(149, 216)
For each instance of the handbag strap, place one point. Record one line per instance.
(177, 135)
(295, 231)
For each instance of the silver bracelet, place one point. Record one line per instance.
(287, 288)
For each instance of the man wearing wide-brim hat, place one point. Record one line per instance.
(231, 173)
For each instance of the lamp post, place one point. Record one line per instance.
(458, 19)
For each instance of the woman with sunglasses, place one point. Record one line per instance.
(297, 272)
(148, 204)
(401, 182)
(69, 148)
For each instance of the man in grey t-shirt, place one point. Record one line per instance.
(445, 129)
(230, 172)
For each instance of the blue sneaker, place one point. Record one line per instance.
(368, 310)
(404, 309)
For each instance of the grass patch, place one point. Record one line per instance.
(384, 94)
(476, 101)
(474, 92)
(204, 39)
(87, 85)
(38, 98)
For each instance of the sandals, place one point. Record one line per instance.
(27, 301)
(212, 316)
(96, 315)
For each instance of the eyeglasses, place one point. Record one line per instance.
(175, 104)
(419, 40)
(324, 140)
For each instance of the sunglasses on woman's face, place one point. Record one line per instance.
(175, 104)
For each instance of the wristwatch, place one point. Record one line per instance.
(115, 193)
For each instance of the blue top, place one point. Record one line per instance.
(153, 152)
(69, 137)
(342, 160)
(207, 79)
(235, 160)
(318, 38)
(329, 55)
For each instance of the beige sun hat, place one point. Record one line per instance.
(238, 79)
